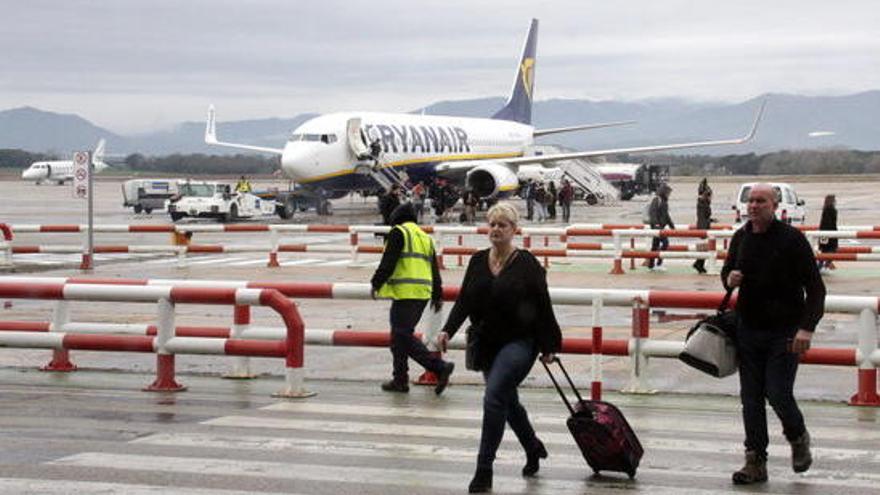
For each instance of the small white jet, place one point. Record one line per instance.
(60, 171)
(340, 152)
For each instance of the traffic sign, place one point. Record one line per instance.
(81, 171)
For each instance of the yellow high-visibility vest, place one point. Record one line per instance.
(412, 277)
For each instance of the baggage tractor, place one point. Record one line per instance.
(601, 431)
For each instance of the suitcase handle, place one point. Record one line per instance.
(559, 389)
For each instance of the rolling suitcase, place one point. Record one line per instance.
(601, 431)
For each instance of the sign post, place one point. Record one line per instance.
(83, 188)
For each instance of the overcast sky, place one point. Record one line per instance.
(139, 65)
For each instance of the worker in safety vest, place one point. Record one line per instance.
(409, 275)
(243, 185)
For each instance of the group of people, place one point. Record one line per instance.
(505, 296)
(541, 200)
(429, 199)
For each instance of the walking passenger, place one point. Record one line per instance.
(659, 219)
(566, 196)
(773, 265)
(828, 222)
(408, 274)
(704, 221)
(504, 293)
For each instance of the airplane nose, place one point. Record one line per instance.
(298, 161)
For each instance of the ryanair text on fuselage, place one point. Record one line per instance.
(423, 138)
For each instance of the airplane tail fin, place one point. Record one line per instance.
(98, 155)
(519, 105)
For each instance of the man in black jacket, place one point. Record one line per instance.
(773, 265)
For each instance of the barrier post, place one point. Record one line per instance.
(164, 360)
(712, 244)
(460, 244)
(6, 245)
(86, 263)
(546, 245)
(867, 372)
(60, 357)
(632, 245)
(273, 249)
(241, 370)
(618, 255)
(638, 383)
(181, 256)
(596, 385)
(353, 239)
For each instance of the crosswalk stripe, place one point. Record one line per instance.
(415, 479)
(307, 261)
(457, 432)
(693, 424)
(24, 486)
(568, 458)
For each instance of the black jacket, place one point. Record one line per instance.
(514, 305)
(704, 213)
(778, 269)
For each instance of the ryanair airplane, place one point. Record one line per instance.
(331, 154)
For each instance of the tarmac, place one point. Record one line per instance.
(95, 431)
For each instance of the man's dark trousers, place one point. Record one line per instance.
(405, 314)
(767, 370)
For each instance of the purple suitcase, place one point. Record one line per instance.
(601, 431)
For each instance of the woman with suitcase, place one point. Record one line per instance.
(504, 293)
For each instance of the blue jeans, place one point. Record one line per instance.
(767, 372)
(404, 316)
(501, 400)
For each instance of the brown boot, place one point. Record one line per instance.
(801, 458)
(755, 470)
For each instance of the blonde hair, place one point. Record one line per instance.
(505, 211)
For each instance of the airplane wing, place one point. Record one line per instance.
(557, 130)
(211, 137)
(526, 160)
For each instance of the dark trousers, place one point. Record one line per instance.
(501, 401)
(658, 244)
(530, 208)
(566, 212)
(766, 372)
(405, 314)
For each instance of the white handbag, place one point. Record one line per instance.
(709, 346)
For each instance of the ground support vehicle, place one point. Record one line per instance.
(215, 200)
(146, 195)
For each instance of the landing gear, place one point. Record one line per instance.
(286, 209)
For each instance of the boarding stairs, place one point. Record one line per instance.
(582, 175)
(368, 165)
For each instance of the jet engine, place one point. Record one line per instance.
(491, 180)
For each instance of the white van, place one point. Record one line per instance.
(790, 209)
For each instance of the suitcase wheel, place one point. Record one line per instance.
(631, 474)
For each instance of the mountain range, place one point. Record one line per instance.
(790, 122)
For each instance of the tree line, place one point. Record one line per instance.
(805, 162)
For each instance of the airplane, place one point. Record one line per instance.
(331, 155)
(61, 171)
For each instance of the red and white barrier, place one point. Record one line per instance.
(618, 232)
(165, 343)
(639, 347)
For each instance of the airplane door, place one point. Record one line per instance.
(355, 139)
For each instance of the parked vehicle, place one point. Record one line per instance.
(217, 200)
(791, 209)
(146, 195)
